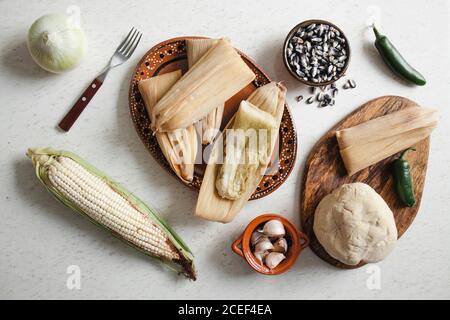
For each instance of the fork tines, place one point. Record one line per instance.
(127, 47)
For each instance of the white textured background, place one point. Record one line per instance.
(39, 238)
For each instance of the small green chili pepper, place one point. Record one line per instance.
(403, 180)
(395, 61)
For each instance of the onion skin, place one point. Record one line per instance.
(55, 43)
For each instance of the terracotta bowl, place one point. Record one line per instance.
(297, 242)
(285, 56)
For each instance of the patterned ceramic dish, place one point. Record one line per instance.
(170, 55)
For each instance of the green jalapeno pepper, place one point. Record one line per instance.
(395, 61)
(403, 180)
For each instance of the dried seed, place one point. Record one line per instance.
(330, 69)
(323, 104)
(346, 86)
(335, 92)
(310, 100)
(352, 83)
(319, 97)
(310, 27)
(300, 73)
(299, 98)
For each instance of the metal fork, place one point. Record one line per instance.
(122, 54)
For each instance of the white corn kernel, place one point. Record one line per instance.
(100, 202)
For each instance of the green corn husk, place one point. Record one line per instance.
(43, 158)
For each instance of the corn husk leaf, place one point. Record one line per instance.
(215, 78)
(42, 157)
(246, 147)
(153, 89)
(386, 126)
(210, 205)
(208, 127)
(179, 146)
(372, 141)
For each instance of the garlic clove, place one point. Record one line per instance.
(274, 228)
(260, 255)
(280, 245)
(273, 259)
(264, 244)
(256, 236)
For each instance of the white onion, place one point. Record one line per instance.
(56, 42)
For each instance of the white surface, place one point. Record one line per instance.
(40, 238)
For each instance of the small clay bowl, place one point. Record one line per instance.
(297, 241)
(285, 55)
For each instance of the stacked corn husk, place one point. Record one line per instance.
(208, 127)
(218, 75)
(177, 104)
(224, 190)
(370, 142)
(178, 146)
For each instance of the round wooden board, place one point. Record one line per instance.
(170, 55)
(325, 171)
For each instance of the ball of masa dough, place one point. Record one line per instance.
(355, 224)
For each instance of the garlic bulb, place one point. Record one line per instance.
(274, 228)
(269, 244)
(263, 244)
(56, 42)
(280, 245)
(256, 236)
(261, 255)
(273, 259)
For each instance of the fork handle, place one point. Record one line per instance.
(72, 116)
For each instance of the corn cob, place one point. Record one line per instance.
(86, 190)
(208, 127)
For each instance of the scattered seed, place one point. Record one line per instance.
(299, 98)
(352, 83)
(335, 92)
(319, 97)
(346, 86)
(310, 100)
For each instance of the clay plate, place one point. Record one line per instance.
(170, 55)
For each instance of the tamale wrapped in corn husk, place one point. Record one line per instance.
(210, 205)
(208, 127)
(372, 141)
(246, 147)
(152, 90)
(217, 76)
(179, 146)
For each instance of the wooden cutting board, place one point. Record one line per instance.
(325, 171)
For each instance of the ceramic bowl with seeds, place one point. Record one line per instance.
(316, 52)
